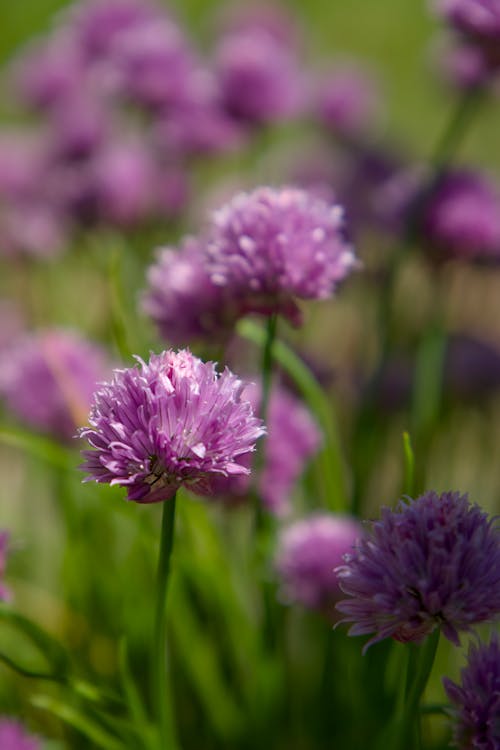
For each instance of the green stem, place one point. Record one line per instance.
(267, 365)
(421, 660)
(162, 698)
(456, 128)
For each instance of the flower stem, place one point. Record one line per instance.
(162, 699)
(267, 365)
(420, 662)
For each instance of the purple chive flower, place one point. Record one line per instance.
(48, 378)
(476, 701)
(270, 18)
(182, 300)
(463, 65)
(308, 552)
(293, 438)
(273, 245)
(4, 546)
(172, 421)
(462, 217)
(258, 76)
(13, 736)
(478, 21)
(347, 101)
(433, 562)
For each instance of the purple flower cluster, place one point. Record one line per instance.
(47, 380)
(476, 701)
(13, 736)
(292, 439)
(172, 421)
(4, 546)
(308, 552)
(461, 218)
(261, 251)
(433, 562)
(347, 100)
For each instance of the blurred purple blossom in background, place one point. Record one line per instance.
(13, 736)
(308, 552)
(47, 380)
(476, 701)
(292, 439)
(432, 562)
(348, 100)
(172, 421)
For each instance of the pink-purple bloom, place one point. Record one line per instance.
(477, 20)
(292, 439)
(13, 736)
(308, 552)
(462, 217)
(432, 562)
(47, 380)
(347, 100)
(182, 300)
(172, 421)
(274, 245)
(476, 701)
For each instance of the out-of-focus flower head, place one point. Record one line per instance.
(433, 562)
(48, 378)
(308, 552)
(13, 736)
(271, 246)
(478, 21)
(476, 701)
(273, 19)
(182, 300)
(347, 100)
(293, 438)
(172, 421)
(4, 546)
(461, 218)
(462, 64)
(259, 77)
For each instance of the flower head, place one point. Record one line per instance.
(272, 245)
(169, 422)
(13, 736)
(477, 700)
(293, 438)
(182, 300)
(48, 379)
(347, 100)
(434, 561)
(462, 217)
(308, 552)
(477, 20)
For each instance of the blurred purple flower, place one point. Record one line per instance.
(461, 218)
(347, 100)
(173, 421)
(476, 701)
(182, 300)
(4, 547)
(308, 552)
(478, 21)
(463, 65)
(13, 736)
(293, 438)
(272, 19)
(78, 127)
(48, 379)
(433, 562)
(274, 245)
(259, 79)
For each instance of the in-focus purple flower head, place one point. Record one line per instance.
(476, 701)
(182, 300)
(4, 548)
(461, 219)
(48, 378)
(274, 245)
(308, 552)
(292, 439)
(432, 562)
(13, 736)
(259, 78)
(172, 421)
(347, 100)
